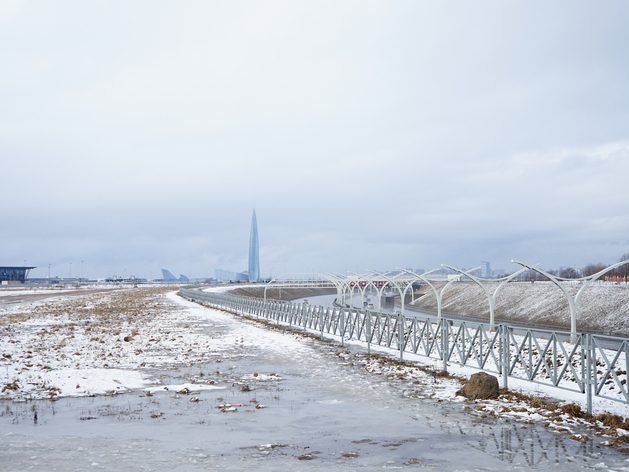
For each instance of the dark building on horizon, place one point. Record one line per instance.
(14, 275)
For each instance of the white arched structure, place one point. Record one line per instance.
(296, 283)
(491, 297)
(397, 282)
(391, 281)
(372, 282)
(573, 303)
(354, 281)
(437, 292)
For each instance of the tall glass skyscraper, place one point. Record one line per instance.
(254, 251)
(485, 270)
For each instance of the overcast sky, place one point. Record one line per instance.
(140, 135)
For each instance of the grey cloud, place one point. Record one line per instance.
(136, 136)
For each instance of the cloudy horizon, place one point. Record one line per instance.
(136, 136)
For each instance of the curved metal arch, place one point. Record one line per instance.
(340, 288)
(379, 290)
(596, 276)
(352, 287)
(328, 277)
(438, 293)
(345, 287)
(572, 302)
(491, 297)
(357, 278)
(393, 281)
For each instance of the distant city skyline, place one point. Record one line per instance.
(483, 270)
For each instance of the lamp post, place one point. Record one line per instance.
(573, 302)
(438, 293)
(491, 297)
(401, 287)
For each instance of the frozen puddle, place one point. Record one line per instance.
(272, 402)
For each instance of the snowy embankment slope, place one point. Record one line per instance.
(603, 307)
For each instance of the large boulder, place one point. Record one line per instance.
(480, 386)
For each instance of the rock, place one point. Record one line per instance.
(481, 386)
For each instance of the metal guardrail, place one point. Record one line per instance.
(594, 365)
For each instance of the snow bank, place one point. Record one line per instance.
(603, 307)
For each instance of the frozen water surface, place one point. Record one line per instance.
(271, 402)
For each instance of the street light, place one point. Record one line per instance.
(573, 302)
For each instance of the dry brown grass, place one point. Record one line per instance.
(573, 409)
(612, 421)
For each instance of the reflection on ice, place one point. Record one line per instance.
(532, 446)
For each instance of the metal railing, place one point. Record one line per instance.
(594, 365)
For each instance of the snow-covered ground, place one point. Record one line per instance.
(94, 344)
(17, 290)
(603, 306)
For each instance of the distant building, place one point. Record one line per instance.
(254, 251)
(14, 275)
(253, 272)
(169, 277)
(497, 273)
(485, 270)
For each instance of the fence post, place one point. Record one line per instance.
(400, 331)
(589, 371)
(342, 327)
(321, 320)
(444, 343)
(368, 328)
(506, 354)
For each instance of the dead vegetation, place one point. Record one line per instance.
(121, 328)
